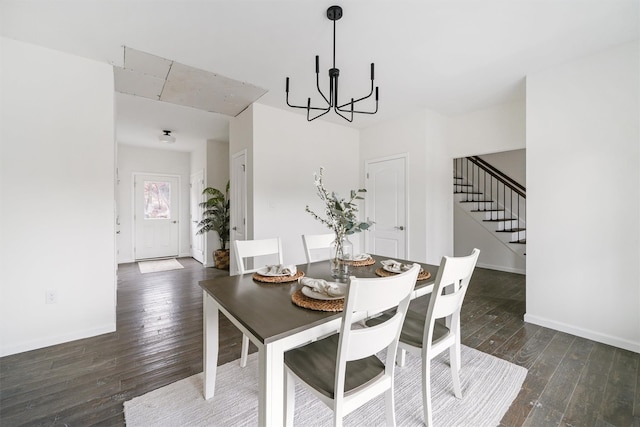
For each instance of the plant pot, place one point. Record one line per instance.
(221, 259)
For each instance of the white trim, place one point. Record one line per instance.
(584, 333)
(233, 268)
(58, 339)
(502, 268)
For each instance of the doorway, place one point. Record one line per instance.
(386, 206)
(238, 221)
(156, 215)
(197, 240)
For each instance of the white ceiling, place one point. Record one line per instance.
(450, 56)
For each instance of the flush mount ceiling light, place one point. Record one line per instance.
(167, 137)
(334, 13)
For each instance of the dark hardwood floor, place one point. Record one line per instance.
(571, 381)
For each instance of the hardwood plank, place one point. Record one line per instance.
(554, 400)
(588, 395)
(619, 396)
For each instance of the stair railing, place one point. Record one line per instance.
(494, 192)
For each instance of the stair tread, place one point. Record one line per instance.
(499, 219)
(521, 241)
(487, 210)
(511, 230)
(476, 201)
(466, 192)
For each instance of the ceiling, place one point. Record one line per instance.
(451, 56)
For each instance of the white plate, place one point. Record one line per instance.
(393, 270)
(307, 291)
(264, 271)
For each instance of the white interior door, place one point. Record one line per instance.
(238, 190)
(197, 240)
(386, 205)
(156, 215)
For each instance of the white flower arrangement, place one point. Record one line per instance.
(341, 214)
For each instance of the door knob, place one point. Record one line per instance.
(399, 227)
(234, 228)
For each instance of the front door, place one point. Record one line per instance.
(385, 205)
(197, 240)
(156, 215)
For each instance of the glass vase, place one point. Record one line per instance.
(341, 251)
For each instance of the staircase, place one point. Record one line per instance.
(493, 199)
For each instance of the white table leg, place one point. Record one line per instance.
(210, 345)
(271, 385)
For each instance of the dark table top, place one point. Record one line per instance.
(267, 310)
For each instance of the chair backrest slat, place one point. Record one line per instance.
(453, 271)
(368, 341)
(255, 248)
(313, 243)
(373, 295)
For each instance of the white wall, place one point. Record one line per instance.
(422, 136)
(512, 163)
(150, 161)
(489, 130)
(584, 211)
(57, 197)
(287, 150)
(217, 175)
(499, 130)
(241, 139)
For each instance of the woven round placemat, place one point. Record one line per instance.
(304, 301)
(423, 275)
(361, 263)
(277, 279)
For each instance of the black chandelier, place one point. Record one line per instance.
(334, 13)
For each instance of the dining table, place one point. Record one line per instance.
(267, 315)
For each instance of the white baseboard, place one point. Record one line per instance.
(502, 268)
(584, 333)
(59, 339)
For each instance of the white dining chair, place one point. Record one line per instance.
(422, 335)
(342, 370)
(245, 251)
(314, 243)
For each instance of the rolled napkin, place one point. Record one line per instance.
(288, 270)
(396, 265)
(362, 257)
(321, 286)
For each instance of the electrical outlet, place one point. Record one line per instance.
(51, 296)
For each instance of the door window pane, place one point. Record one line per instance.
(157, 200)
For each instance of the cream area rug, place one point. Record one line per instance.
(489, 385)
(159, 265)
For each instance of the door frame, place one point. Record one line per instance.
(243, 195)
(198, 176)
(133, 209)
(405, 157)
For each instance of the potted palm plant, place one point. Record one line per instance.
(215, 217)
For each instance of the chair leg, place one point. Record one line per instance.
(245, 351)
(401, 357)
(337, 418)
(426, 391)
(289, 397)
(390, 407)
(454, 361)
